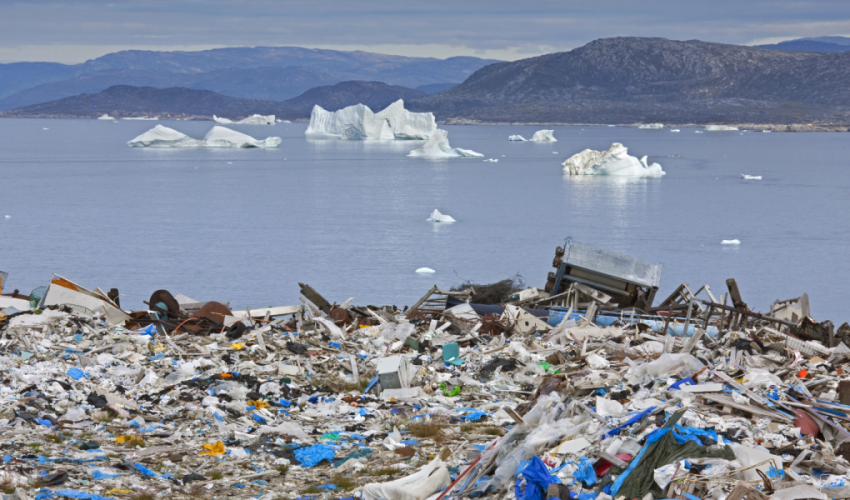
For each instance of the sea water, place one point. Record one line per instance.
(348, 218)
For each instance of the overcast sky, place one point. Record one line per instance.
(72, 31)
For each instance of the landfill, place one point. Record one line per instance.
(587, 388)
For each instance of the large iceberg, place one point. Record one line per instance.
(613, 161)
(359, 123)
(105, 117)
(719, 128)
(438, 147)
(218, 137)
(543, 136)
(251, 120)
(517, 138)
(164, 137)
(223, 137)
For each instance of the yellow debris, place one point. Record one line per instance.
(259, 404)
(237, 346)
(116, 491)
(216, 448)
(129, 439)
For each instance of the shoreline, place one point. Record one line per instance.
(755, 127)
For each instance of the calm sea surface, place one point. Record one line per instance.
(246, 226)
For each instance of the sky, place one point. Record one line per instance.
(72, 31)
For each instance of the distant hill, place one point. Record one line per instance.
(265, 73)
(821, 44)
(433, 88)
(125, 100)
(629, 80)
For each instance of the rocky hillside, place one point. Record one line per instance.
(126, 100)
(628, 80)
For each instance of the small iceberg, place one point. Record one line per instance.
(675, 130)
(359, 123)
(425, 270)
(614, 161)
(543, 136)
(438, 147)
(765, 131)
(155, 118)
(719, 128)
(223, 137)
(751, 177)
(8, 216)
(730, 242)
(105, 116)
(517, 138)
(436, 216)
(251, 120)
(283, 121)
(492, 160)
(217, 137)
(653, 126)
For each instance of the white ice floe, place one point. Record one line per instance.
(164, 137)
(751, 177)
(359, 123)
(154, 118)
(674, 130)
(719, 128)
(105, 116)
(283, 121)
(613, 161)
(543, 136)
(251, 120)
(438, 147)
(517, 138)
(765, 131)
(425, 270)
(218, 137)
(492, 160)
(436, 216)
(652, 125)
(223, 137)
(8, 216)
(730, 242)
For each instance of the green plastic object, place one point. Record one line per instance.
(454, 392)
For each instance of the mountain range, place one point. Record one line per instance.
(608, 81)
(820, 44)
(260, 73)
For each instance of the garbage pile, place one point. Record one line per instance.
(582, 390)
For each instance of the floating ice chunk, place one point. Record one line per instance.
(613, 161)
(223, 137)
(164, 137)
(438, 147)
(406, 125)
(251, 120)
(517, 138)
(697, 131)
(8, 216)
(283, 121)
(730, 242)
(652, 125)
(765, 131)
(425, 270)
(492, 160)
(719, 128)
(436, 216)
(105, 116)
(751, 177)
(45, 128)
(354, 123)
(543, 136)
(358, 122)
(674, 130)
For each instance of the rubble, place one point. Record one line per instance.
(585, 389)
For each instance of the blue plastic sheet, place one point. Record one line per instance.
(474, 415)
(636, 418)
(693, 431)
(585, 472)
(533, 481)
(82, 495)
(312, 455)
(259, 419)
(100, 476)
(76, 373)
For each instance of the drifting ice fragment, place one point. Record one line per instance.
(674, 130)
(222, 137)
(425, 270)
(359, 123)
(517, 138)
(730, 242)
(652, 125)
(8, 216)
(613, 161)
(251, 120)
(719, 128)
(164, 137)
(436, 216)
(438, 147)
(751, 177)
(543, 136)
(492, 160)
(105, 117)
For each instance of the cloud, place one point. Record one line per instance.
(506, 29)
